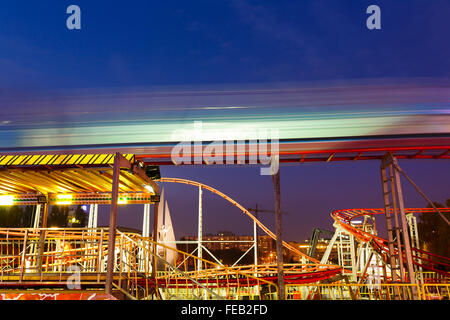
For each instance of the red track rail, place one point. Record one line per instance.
(291, 152)
(345, 216)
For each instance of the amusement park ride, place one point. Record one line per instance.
(83, 163)
(41, 262)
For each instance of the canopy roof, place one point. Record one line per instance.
(81, 176)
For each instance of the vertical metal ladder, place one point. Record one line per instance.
(414, 234)
(346, 252)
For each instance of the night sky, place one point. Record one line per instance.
(145, 43)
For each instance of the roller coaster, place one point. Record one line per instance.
(101, 147)
(84, 252)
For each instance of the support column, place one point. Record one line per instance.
(42, 235)
(112, 225)
(255, 237)
(405, 231)
(91, 215)
(278, 227)
(95, 218)
(37, 216)
(155, 238)
(200, 228)
(389, 223)
(44, 216)
(394, 206)
(146, 221)
(255, 246)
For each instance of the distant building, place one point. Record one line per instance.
(224, 240)
(321, 247)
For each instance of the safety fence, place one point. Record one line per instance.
(143, 269)
(351, 291)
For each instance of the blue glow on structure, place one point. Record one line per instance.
(147, 117)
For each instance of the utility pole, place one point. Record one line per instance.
(255, 236)
(256, 210)
(279, 245)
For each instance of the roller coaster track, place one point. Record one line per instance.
(88, 248)
(245, 211)
(344, 218)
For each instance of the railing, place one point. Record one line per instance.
(144, 269)
(187, 277)
(52, 256)
(31, 254)
(344, 291)
(436, 292)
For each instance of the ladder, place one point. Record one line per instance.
(414, 234)
(346, 252)
(345, 243)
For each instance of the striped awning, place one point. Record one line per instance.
(78, 176)
(60, 159)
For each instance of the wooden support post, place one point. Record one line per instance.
(112, 225)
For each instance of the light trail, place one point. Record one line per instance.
(151, 121)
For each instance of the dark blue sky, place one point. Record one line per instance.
(178, 42)
(143, 43)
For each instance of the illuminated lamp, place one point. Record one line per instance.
(6, 200)
(64, 199)
(122, 200)
(149, 188)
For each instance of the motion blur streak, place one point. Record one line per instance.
(151, 117)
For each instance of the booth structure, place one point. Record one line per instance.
(72, 179)
(113, 262)
(106, 263)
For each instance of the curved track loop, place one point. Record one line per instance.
(309, 273)
(345, 216)
(259, 223)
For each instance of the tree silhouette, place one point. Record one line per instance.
(80, 216)
(58, 216)
(16, 216)
(434, 231)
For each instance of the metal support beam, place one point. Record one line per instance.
(42, 235)
(146, 221)
(327, 252)
(398, 234)
(95, 217)
(44, 216)
(422, 194)
(37, 216)
(255, 239)
(118, 159)
(137, 170)
(278, 227)
(155, 238)
(405, 231)
(414, 234)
